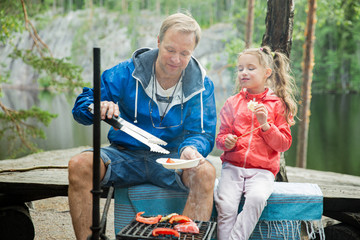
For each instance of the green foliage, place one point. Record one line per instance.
(79, 43)
(206, 12)
(59, 74)
(19, 132)
(336, 48)
(45, 82)
(233, 48)
(132, 30)
(9, 25)
(70, 74)
(4, 76)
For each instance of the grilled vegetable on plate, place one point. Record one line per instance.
(175, 163)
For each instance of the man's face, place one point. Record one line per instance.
(175, 52)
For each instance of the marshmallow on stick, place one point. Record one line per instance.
(252, 105)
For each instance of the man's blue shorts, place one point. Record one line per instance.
(133, 167)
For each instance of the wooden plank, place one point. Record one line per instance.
(38, 183)
(32, 185)
(37, 176)
(49, 158)
(324, 178)
(48, 176)
(52, 168)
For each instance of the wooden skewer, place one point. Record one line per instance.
(252, 130)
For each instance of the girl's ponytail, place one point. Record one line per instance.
(284, 84)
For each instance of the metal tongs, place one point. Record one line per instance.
(135, 132)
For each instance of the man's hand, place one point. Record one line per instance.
(108, 110)
(190, 153)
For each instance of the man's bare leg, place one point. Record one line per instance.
(200, 181)
(79, 193)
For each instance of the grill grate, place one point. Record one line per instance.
(137, 230)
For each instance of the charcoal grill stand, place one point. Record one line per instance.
(98, 228)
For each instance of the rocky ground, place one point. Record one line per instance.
(51, 218)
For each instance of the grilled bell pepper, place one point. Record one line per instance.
(148, 220)
(170, 161)
(165, 231)
(179, 219)
(167, 217)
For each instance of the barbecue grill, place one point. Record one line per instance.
(137, 230)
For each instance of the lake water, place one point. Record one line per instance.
(334, 132)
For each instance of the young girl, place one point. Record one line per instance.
(255, 128)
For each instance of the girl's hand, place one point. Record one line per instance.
(230, 141)
(261, 114)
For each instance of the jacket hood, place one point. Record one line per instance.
(193, 79)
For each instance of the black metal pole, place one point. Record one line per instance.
(96, 141)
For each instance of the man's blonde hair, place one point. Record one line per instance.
(182, 22)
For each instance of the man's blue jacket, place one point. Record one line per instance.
(126, 84)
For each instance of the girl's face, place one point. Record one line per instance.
(251, 74)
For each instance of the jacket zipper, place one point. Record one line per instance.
(250, 138)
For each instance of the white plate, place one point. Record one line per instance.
(178, 163)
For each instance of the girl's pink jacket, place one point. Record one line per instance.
(258, 149)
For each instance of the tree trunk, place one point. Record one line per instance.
(250, 23)
(54, 6)
(124, 6)
(278, 36)
(308, 64)
(70, 5)
(279, 25)
(158, 8)
(347, 42)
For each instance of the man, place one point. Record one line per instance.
(165, 92)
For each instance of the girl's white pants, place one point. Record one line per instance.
(256, 185)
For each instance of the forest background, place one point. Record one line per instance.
(336, 50)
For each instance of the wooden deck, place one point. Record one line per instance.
(44, 175)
